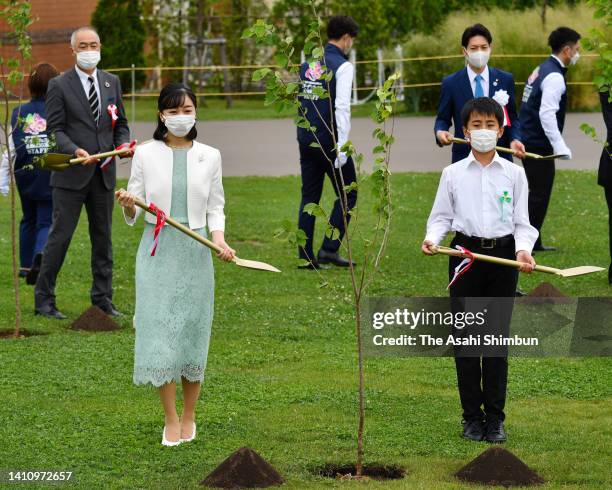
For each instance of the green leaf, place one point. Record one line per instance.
(292, 87)
(314, 144)
(332, 233)
(260, 74)
(314, 209)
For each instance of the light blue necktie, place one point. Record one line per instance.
(479, 92)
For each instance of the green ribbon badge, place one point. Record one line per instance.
(504, 199)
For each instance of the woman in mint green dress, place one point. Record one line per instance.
(174, 273)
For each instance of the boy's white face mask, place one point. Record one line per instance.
(483, 140)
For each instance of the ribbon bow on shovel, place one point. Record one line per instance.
(58, 162)
(162, 218)
(466, 254)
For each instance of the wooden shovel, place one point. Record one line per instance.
(573, 271)
(510, 150)
(61, 161)
(251, 264)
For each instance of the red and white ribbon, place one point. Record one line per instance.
(464, 266)
(129, 146)
(112, 111)
(159, 224)
(507, 121)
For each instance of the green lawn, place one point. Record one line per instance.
(215, 109)
(281, 376)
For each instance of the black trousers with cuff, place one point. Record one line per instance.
(482, 380)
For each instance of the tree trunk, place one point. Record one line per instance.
(359, 464)
(13, 190)
(543, 13)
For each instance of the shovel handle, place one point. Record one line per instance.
(179, 226)
(500, 148)
(494, 260)
(112, 153)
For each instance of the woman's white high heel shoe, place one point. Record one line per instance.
(192, 435)
(166, 442)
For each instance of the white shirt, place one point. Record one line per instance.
(84, 77)
(553, 87)
(469, 201)
(344, 87)
(5, 169)
(484, 82)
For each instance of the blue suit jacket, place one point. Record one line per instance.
(456, 91)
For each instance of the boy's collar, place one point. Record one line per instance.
(496, 158)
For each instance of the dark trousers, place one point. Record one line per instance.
(33, 228)
(67, 205)
(315, 166)
(540, 176)
(482, 381)
(608, 191)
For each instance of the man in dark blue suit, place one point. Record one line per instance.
(477, 79)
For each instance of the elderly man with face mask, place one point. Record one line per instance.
(85, 114)
(543, 118)
(477, 79)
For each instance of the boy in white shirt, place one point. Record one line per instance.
(484, 200)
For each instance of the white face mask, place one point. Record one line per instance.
(574, 59)
(483, 140)
(179, 126)
(88, 59)
(479, 58)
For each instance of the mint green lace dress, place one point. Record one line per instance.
(174, 297)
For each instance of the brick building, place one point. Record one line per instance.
(54, 22)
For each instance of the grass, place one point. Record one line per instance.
(215, 109)
(281, 376)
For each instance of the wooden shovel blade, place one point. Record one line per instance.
(578, 271)
(254, 264)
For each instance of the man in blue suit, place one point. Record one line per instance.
(477, 79)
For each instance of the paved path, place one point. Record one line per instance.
(269, 147)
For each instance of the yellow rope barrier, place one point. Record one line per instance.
(391, 60)
(359, 89)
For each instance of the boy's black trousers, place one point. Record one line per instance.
(482, 380)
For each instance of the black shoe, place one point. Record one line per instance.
(50, 312)
(473, 430)
(309, 265)
(23, 272)
(544, 248)
(495, 432)
(110, 310)
(519, 293)
(33, 274)
(335, 258)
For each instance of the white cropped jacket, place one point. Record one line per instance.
(151, 181)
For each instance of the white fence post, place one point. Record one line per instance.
(133, 95)
(353, 59)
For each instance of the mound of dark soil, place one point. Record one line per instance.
(498, 466)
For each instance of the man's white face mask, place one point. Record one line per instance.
(88, 59)
(575, 57)
(479, 58)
